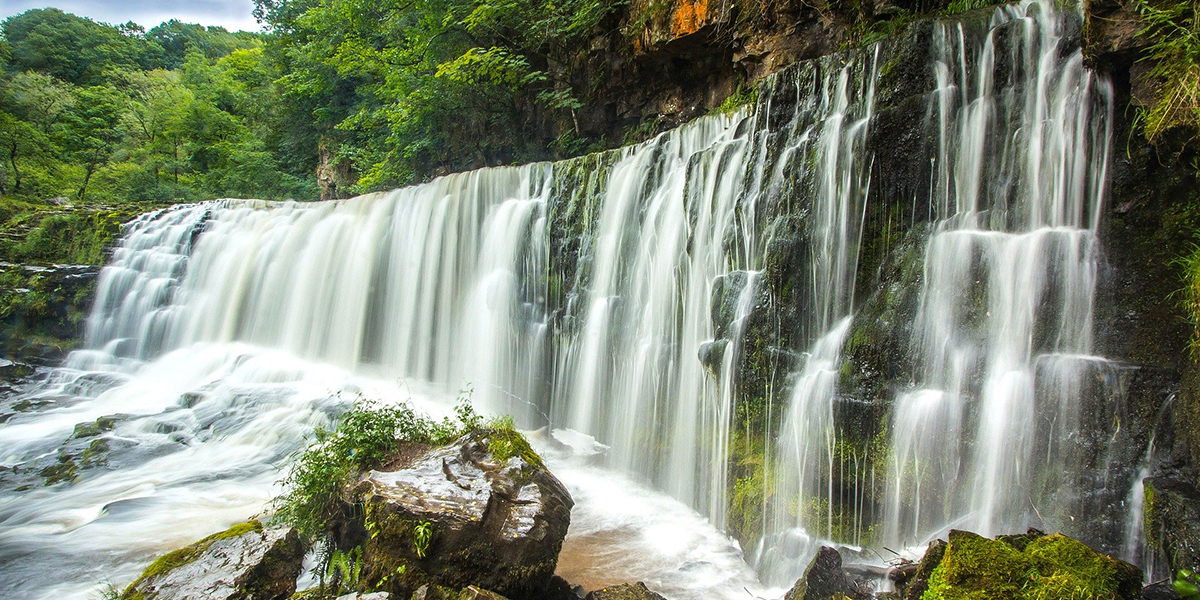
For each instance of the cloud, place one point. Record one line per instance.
(230, 14)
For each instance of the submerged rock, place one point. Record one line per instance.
(244, 562)
(483, 511)
(624, 591)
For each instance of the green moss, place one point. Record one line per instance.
(178, 558)
(505, 442)
(750, 489)
(1050, 567)
(94, 454)
(101, 425)
(1080, 572)
(1150, 520)
(743, 97)
(65, 470)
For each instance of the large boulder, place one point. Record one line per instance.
(483, 511)
(244, 562)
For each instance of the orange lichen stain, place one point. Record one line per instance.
(689, 17)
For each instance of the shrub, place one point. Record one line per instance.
(363, 440)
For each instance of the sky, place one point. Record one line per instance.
(233, 15)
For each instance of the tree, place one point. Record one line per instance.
(19, 141)
(39, 99)
(90, 131)
(70, 48)
(178, 39)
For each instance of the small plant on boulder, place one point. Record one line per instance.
(365, 437)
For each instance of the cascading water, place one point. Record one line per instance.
(1005, 312)
(611, 297)
(1005, 318)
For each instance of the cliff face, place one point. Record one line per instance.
(664, 62)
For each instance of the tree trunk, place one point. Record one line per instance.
(12, 160)
(87, 176)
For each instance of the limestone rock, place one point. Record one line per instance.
(483, 511)
(625, 591)
(244, 562)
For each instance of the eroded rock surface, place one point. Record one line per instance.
(245, 562)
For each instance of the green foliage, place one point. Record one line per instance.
(116, 114)
(422, 534)
(1172, 30)
(1187, 584)
(108, 591)
(366, 436)
(1189, 295)
(344, 569)
(70, 48)
(403, 89)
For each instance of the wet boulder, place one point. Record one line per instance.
(915, 585)
(823, 579)
(624, 591)
(245, 562)
(483, 511)
(1172, 521)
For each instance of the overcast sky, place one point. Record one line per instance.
(233, 15)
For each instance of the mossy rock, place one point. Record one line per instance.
(624, 591)
(244, 562)
(1171, 516)
(1048, 567)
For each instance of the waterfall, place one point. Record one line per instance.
(1010, 278)
(1004, 321)
(621, 300)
